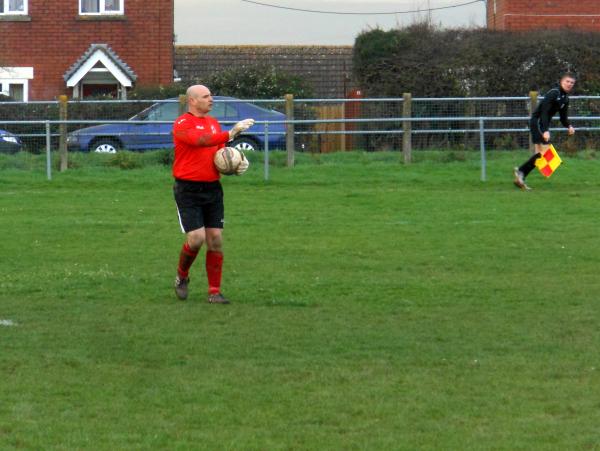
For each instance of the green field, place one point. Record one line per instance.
(376, 306)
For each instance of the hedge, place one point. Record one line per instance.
(432, 62)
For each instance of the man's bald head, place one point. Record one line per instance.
(197, 91)
(199, 100)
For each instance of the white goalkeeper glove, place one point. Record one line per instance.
(243, 166)
(240, 127)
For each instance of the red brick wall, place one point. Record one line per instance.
(548, 14)
(56, 36)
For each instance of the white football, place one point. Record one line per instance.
(228, 159)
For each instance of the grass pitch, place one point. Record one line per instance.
(375, 306)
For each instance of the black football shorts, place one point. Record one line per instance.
(199, 204)
(536, 131)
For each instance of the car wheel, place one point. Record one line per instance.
(245, 145)
(105, 145)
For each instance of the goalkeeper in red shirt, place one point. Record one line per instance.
(198, 191)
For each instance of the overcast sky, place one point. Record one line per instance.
(237, 22)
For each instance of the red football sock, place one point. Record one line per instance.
(186, 258)
(214, 266)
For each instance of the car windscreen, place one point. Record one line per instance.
(167, 111)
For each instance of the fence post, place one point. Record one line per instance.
(482, 148)
(182, 104)
(266, 156)
(289, 135)
(343, 128)
(62, 130)
(533, 100)
(407, 127)
(48, 152)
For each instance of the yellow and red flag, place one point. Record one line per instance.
(549, 161)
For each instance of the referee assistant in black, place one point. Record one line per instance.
(555, 101)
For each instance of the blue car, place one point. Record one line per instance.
(108, 138)
(9, 143)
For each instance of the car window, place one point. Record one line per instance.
(223, 110)
(218, 110)
(164, 112)
(260, 108)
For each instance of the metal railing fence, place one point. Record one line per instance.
(318, 125)
(479, 129)
(331, 123)
(510, 133)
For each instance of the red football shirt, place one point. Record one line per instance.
(196, 140)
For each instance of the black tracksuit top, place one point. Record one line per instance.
(555, 100)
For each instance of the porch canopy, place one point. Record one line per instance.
(100, 71)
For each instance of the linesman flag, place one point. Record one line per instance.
(548, 162)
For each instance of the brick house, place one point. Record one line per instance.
(84, 47)
(547, 14)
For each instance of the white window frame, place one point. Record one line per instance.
(102, 9)
(7, 12)
(5, 87)
(16, 76)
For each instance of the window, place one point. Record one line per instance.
(13, 6)
(223, 110)
(14, 90)
(164, 112)
(100, 6)
(14, 82)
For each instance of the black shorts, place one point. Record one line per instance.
(199, 204)
(536, 131)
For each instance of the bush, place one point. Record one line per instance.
(258, 82)
(153, 92)
(431, 62)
